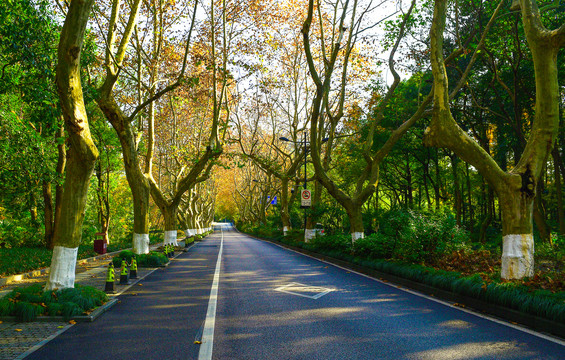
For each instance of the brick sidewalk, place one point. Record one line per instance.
(18, 339)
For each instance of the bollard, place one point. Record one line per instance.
(169, 250)
(133, 268)
(124, 274)
(109, 288)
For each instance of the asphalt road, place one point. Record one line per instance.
(275, 304)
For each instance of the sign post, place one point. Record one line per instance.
(305, 199)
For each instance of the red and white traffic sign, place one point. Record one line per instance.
(306, 198)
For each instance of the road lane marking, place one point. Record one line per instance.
(205, 352)
(311, 292)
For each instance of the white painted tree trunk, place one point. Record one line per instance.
(62, 271)
(357, 235)
(309, 234)
(171, 237)
(517, 256)
(140, 243)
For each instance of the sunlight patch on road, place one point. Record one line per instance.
(456, 324)
(481, 350)
(375, 301)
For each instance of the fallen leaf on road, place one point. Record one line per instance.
(72, 322)
(18, 329)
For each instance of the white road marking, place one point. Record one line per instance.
(311, 292)
(210, 322)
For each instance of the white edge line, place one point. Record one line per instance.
(501, 322)
(205, 352)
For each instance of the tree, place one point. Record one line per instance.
(129, 136)
(82, 154)
(516, 189)
(209, 147)
(333, 111)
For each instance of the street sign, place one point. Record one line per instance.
(306, 198)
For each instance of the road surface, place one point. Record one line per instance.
(259, 301)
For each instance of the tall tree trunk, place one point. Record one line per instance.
(103, 203)
(426, 166)
(559, 191)
(53, 213)
(33, 207)
(517, 228)
(138, 182)
(48, 214)
(437, 181)
(488, 215)
(456, 189)
(539, 216)
(82, 154)
(285, 216)
(170, 215)
(409, 190)
(469, 197)
(310, 221)
(355, 215)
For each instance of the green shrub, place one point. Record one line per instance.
(374, 246)
(30, 302)
(417, 237)
(26, 311)
(127, 255)
(152, 259)
(330, 244)
(7, 306)
(54, 309)
(70, 309)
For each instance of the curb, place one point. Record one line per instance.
(533, 322)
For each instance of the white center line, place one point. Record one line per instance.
(208, 332)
